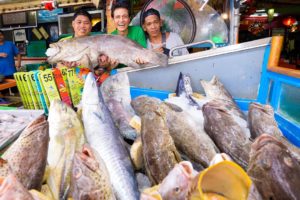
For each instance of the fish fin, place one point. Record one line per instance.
(179, 85)
(135, 65)
(86, 62)
(159, 59)
(173, 107)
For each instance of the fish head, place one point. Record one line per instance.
(184, 85)
(11, 188)
(59, 112)
(177, 182)
(85, 173)
(144, 104)
(267, 152)
(66, 50)
(267, 149)
(84, 163)
(273, 168)
(215, 89)
(267, 109)
(91, 93)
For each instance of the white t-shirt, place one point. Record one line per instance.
(173, 40)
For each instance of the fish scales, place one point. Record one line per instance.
(103, 136)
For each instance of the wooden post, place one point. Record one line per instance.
(276, 46)
(110, 26)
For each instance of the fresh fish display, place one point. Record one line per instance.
(39, 196)
(176, 184)
(143, 181)
(224, 180)
(189, 137)
(87, 49)
(184, 87)
(4, 168)
(159, 151)
(214, 89)
(116, 94)
(27, 156)
(136, 153)
(11, 126)
(12, 189)
(273, 169)
(90, 177)
(227, 134)
(66, 136)
(261, 120)
(219, 158)
(104, 137)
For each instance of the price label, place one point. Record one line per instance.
(38, 76)
(35, 90)
(31, 91)
(48, 81)
(42, 94)
(76, 77)
(23, 80)
(21, 90)
(61, 86)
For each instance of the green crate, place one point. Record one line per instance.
(37, 66)
(36, 49)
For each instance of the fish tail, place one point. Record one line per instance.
(159, 59)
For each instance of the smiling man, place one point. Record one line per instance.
(121, 18)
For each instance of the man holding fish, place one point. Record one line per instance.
(82, 27)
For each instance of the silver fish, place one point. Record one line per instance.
(116, 94)
(104, 137)
(120, 48)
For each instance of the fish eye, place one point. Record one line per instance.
(177, 189)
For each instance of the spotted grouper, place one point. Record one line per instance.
(27, 156)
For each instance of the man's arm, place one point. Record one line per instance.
(18, 65)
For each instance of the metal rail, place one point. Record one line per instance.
(190, 45)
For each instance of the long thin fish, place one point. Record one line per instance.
(104, 137)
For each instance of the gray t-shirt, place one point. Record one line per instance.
(173, 40)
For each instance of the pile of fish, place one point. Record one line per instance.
(186, 147)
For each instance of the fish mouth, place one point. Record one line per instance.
(264, 108)
(52, 51)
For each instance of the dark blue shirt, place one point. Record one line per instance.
(7, 65)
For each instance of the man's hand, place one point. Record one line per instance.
(71, 64)
(106, 62)
(140, 61)
(3, 55)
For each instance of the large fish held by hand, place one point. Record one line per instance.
(87, 49)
